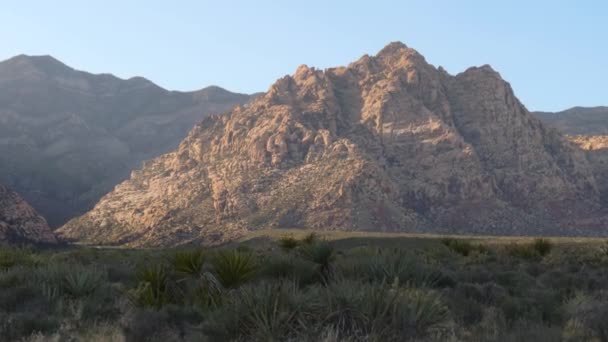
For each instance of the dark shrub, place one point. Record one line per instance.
(463, 247)
(542, 246)
(288, 243)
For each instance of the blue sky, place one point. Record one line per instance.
(554, 53)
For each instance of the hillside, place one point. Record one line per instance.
(19, 222)
(67, 137)
(578, 120)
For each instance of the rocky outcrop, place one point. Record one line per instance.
(388, 143)
(588, 129)
(19, 222)
(68, 137)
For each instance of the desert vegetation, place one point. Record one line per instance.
(309, 289)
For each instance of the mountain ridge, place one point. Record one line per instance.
(68, 136)
(387, 143)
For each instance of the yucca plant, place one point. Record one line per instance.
(153, 289)
(421, 313)
(320, 253)
(401, 266)
(188, 263)
(234, 268)
(270, 311)
(346, 305)
(82, 282)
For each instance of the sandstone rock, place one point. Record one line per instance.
(19, 222)
(388, 143)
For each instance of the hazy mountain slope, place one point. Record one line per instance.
(578, 120)
(67, 137)
(388, 143)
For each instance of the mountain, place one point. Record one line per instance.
(19, 222)
(578, 120)
(388, 143)
(67, 137)
(588, 129)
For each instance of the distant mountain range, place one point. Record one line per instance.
(387, 143)
(67, 137)
(578, 120)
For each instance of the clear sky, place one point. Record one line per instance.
(553, 52)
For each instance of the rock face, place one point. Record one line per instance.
(588, 129)
(388, 143)
(19, 223)
(67, 137)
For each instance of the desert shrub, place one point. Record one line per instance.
(123, 272)
(527, 331)
(188, 263)
(20, 325)
(145, 324)
(463, 247)
(287, 243)
(13, 298)
(14, 277)
(466, 311)
(587, 317)
(102, 306)
(82, 281)
(289, 267)
(393, 265)
(522, 251)
(233, 268)
(310, 238)
(265, 311)
(537, 306)
(542, 246)
(153, 289)
(320, 253)
(11, 257)
(383, 311)
(206, 292)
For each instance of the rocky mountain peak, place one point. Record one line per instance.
(386, 143)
